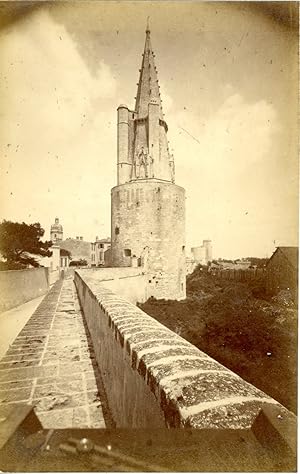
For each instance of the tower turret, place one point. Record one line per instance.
(124, 162)
(208, 248)
(143, 151)
(147, 208)
(56, 231)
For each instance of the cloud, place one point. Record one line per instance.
(40, 61)
(56, 129)
(224, 162)
(227, 135)
(232, 146)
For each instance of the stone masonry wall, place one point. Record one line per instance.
(148, 219)
(19, 286)
(53, 277)
(155, 378)
(127, 282)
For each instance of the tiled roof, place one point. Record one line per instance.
(290, 253)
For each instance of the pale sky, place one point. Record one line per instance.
(228, 76)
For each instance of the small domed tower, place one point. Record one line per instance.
(56, 232)
(147, 207)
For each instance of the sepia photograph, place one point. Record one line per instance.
(148, 236)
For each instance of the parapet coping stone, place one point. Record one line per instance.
(193, 389)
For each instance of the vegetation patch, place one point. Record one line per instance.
(240, 327)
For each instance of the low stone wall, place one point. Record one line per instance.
(53, 276)
(154, 378)
(19, 286)
(130, 283)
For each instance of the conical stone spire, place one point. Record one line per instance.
(147, 207)
(148, 88)
(143, 151)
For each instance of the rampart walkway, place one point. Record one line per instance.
(51, 365)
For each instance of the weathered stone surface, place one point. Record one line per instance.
(155, 378)
(20, 394)
(216, 386)
(24, 357)
(97, 420)
(19, 373)
(20, 286)
(91, 384)
(15, 385)
(50, 364)
(58, 418)
(58, 401)
(161, 353)
(227, 416)
(182, 367)
(152, 208)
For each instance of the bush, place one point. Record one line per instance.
(12, 266)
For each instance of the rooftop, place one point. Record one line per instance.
(291, 254)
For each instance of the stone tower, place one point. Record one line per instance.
(56, 231)
(208, 248)
(147, 207)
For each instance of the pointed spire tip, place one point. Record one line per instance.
(148, 27)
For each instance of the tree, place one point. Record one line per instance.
(20, 242)
(65, 253)
(78, 263)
